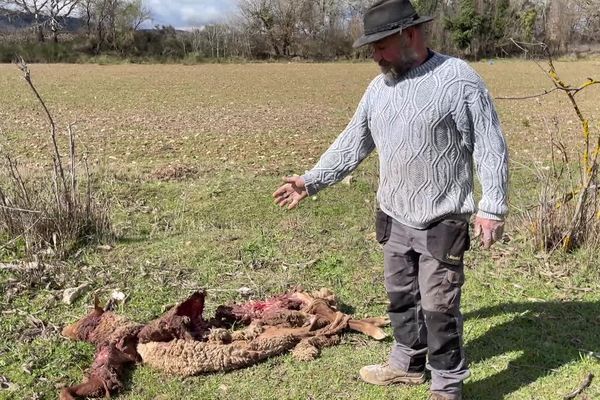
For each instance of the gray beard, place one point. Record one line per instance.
(391, 76)
(393, 73)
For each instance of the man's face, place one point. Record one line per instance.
(394, 54)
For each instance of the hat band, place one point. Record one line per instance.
(392, 25)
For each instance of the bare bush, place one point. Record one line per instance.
(51, 211)
(567, 216)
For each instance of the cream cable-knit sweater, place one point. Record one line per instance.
(428, 127)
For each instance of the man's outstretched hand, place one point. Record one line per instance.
(490, 231)
(291, 192)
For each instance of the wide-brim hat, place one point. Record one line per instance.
(386, 17)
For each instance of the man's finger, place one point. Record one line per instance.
(290, 179)
(477, 229)
(281, 201)
(278, 196)
(283, 189)
(293, 204)
(487, 238)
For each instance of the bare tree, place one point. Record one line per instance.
(287, 13)
(59, 11)
(587, 26)
(134, 14)
(215, 36)
(238, 42)
(34, 8)
(260, 17)
(290, 26)
(85, 8)
(560, 23)
(109, 21)
(276, 21)
(43, 13)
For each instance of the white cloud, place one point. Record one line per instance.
(189, 13)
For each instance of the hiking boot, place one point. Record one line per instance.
(437, 396)
(384, 374)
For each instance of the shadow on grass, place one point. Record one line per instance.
(123, 240)
(346, 308)
(547, 334)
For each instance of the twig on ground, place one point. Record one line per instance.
(28, 266)
(301, 265)
(586, 382)
(19, 209)
(375, 300)
(576, 289)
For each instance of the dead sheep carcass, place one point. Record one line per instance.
(182, 342)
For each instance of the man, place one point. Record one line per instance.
(430, 117)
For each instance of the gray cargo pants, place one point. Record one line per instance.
(424, 274)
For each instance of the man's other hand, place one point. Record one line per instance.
(292, 192)
(490, 231)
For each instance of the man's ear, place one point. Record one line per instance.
(412, 33)
(405, 37)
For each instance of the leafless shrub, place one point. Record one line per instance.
(567, 215)
(52, 211)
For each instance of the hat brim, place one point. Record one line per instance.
(374, 37)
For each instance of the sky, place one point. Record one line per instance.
(186, 14)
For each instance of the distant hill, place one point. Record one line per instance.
(11, 21)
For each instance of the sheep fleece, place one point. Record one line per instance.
(186, 358)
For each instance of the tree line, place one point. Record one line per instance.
(305, 29)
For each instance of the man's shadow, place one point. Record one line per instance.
(548, 335)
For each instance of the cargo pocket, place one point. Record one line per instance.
(383, 226)
(451, 286)
(448, 240)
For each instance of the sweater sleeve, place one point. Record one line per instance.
(490, 152)
(352, 146)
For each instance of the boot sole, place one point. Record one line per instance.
(404, 380)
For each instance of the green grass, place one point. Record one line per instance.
(526, 334)
(530, 322)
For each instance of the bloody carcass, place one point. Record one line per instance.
(182, 342)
